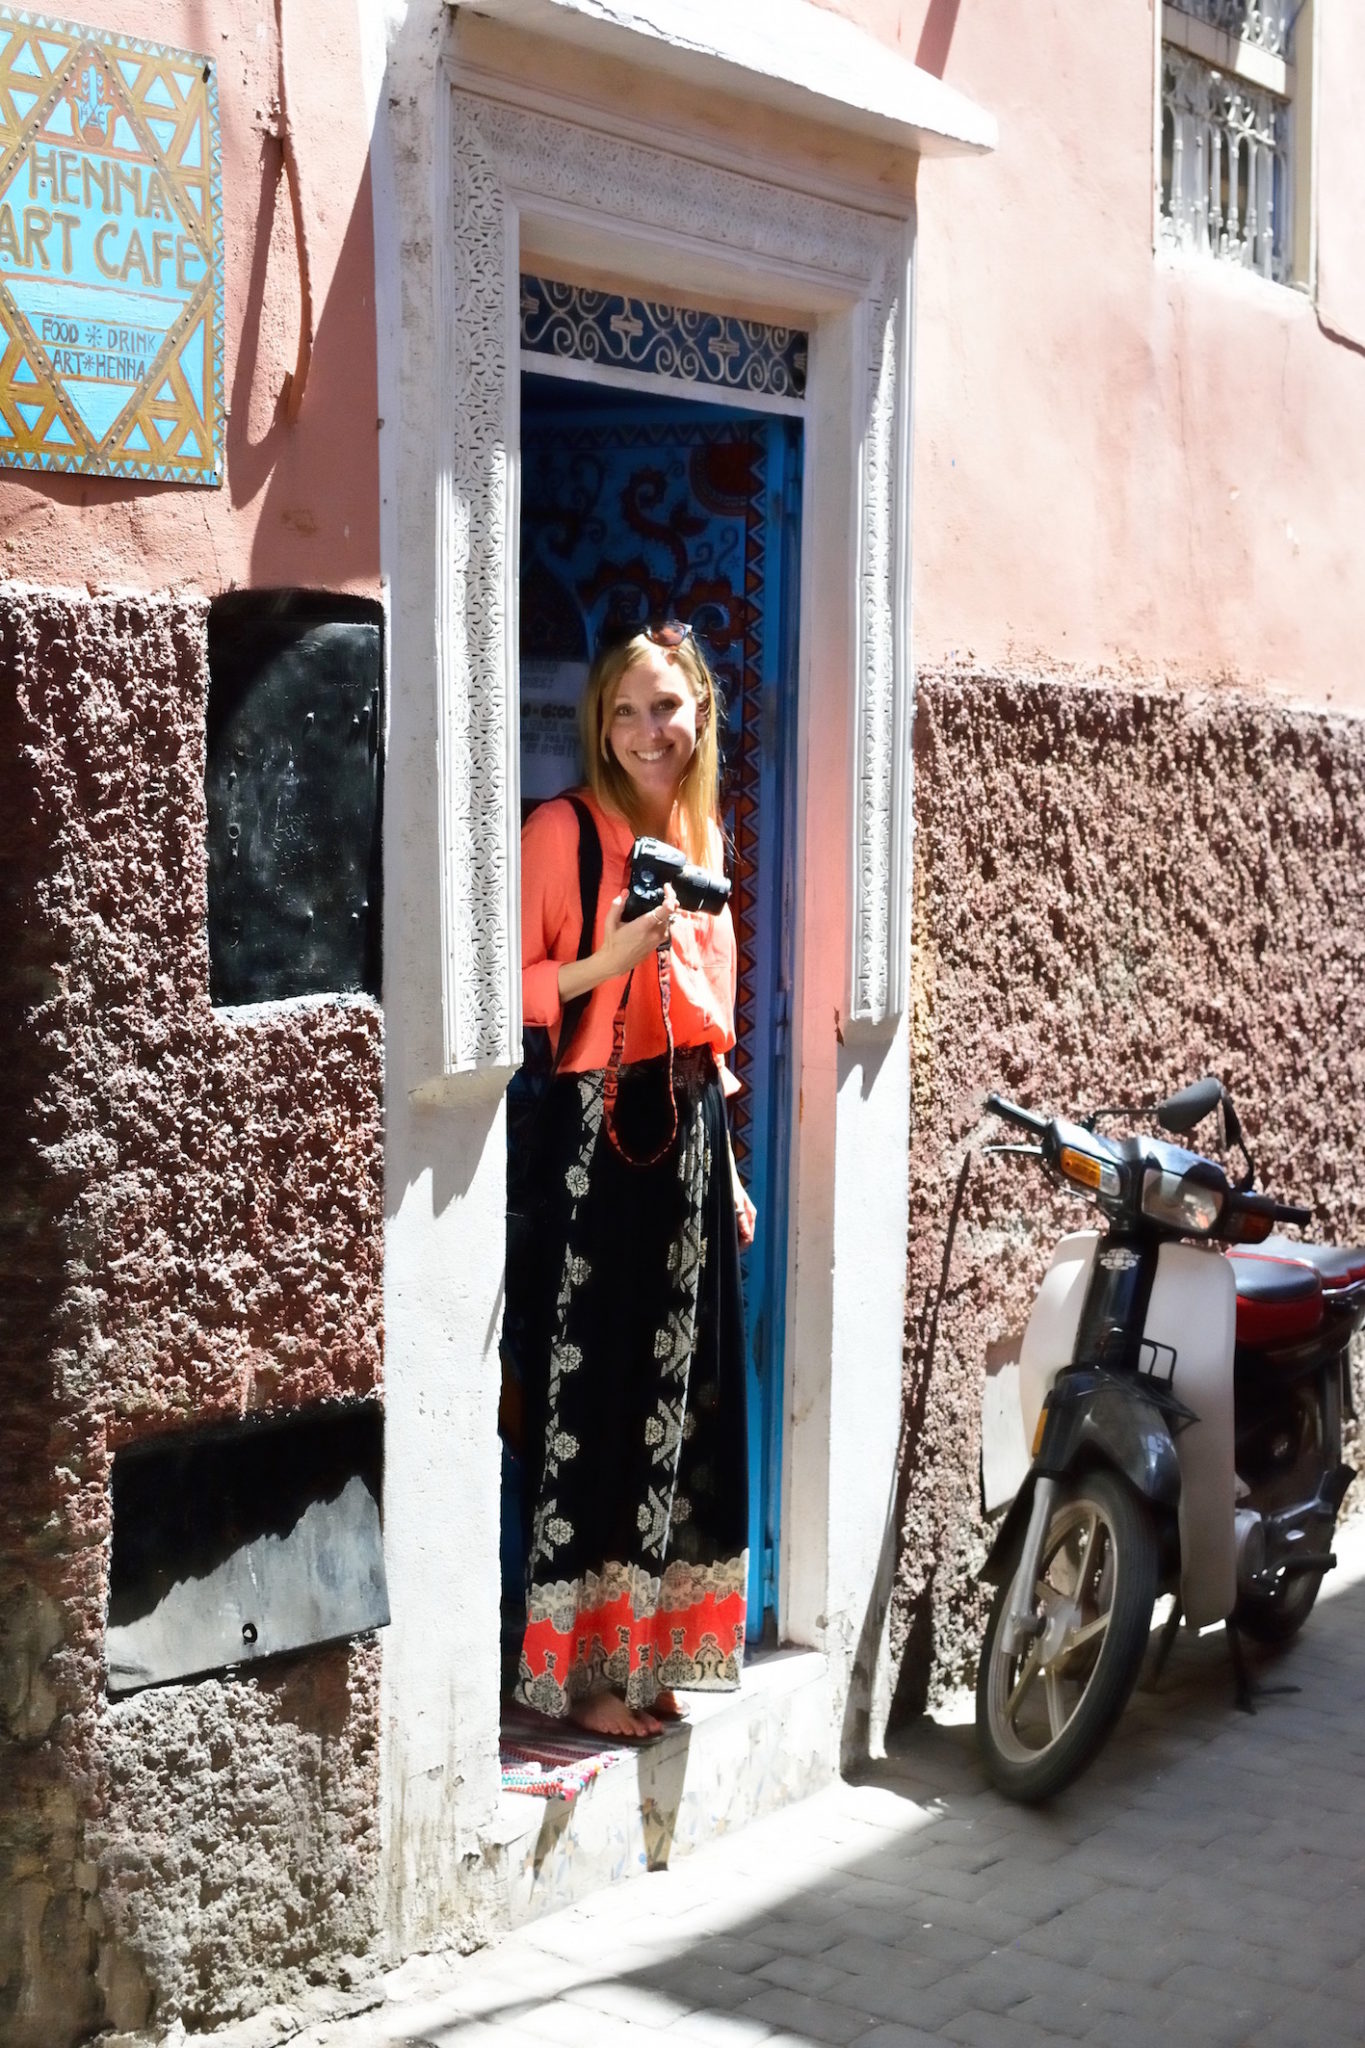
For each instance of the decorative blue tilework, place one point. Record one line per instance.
(589, 326)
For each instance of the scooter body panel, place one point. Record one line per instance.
(1188, 1343)
(1049, 1344)
(1187, 1348)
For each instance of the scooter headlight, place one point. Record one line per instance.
(1181, 1201)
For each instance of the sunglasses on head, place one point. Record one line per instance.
(670, 634)
(667, 633)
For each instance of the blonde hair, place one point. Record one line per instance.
(698, 798)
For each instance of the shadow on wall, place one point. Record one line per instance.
(1116, 892)
(936, 36)
(320, 474)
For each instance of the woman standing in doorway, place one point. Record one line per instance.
(635, 1431)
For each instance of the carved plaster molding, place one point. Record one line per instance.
(502, 160)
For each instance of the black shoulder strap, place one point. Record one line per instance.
(589, 887)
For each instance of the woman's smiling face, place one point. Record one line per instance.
(652, 726)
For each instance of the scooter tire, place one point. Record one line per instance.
(1118, 1575)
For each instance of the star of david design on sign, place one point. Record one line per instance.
(111, 257)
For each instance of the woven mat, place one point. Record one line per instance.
(549, 1760)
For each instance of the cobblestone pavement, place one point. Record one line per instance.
(1202, 1885)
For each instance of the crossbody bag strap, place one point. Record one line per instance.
(589, 889)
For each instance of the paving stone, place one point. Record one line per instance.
(803, 1973)
(1252, 1999)
(920, 1942)
(1321, 2022)
(995, 2030)
(1004, 1980)
(923, 2007)
(1062, 2018)
(1130, 2030)
(813, 2018)
(643, 2005)
(796, 1937)
(1016, 1888)
(1141, 1960)
(888, 2035)
(574, 2026)
(905, 1991)
(987, 1923)
(695, 1981)
(718, 2030)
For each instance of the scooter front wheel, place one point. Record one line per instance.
(1043, 1710)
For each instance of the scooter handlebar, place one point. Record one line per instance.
(1026, 1119)
(1290, 1212)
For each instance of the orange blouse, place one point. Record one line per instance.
(702, 966)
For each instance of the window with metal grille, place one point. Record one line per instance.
(1229, 114)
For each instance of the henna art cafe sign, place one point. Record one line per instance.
(111, 262)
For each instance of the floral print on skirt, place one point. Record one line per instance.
(637, 1563)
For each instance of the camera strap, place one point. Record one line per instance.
(611, 1080)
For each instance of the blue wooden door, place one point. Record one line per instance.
(640, 507)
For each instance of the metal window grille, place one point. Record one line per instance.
(1267, 25)
(1224, 160)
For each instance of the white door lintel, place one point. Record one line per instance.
(799, 59)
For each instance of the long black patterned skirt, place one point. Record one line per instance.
(637, 1460)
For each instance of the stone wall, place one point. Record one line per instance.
(1117, 889)
(191, 1230)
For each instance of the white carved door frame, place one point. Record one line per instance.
(517, 189)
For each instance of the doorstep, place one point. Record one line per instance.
(739, 1755)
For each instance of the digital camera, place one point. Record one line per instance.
(653, 864)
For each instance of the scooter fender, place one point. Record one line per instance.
(1093, 1419)
(1188, 1343)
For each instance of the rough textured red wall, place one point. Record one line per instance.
(1117, 889)
(191, 1203)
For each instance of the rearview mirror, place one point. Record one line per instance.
(1181, 1112)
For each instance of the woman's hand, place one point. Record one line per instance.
(628, 944)
(623, 946)
(746, 1215)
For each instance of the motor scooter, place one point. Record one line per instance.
(1181, 1380)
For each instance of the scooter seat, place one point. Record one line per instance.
(1278, 1299)
(1335, 1265)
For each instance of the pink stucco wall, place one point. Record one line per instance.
(300, 502)
(1117, 461)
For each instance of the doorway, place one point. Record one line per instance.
(645, 504)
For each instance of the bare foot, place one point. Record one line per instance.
(602, 1713)
(668, 1706)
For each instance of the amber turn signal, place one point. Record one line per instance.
(1080, 1167)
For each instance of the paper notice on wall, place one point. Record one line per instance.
(550, 691)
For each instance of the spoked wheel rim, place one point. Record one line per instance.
(1035, 1695)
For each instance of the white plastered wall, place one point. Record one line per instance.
(468, 185)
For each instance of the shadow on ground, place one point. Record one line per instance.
(1202, 1884)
